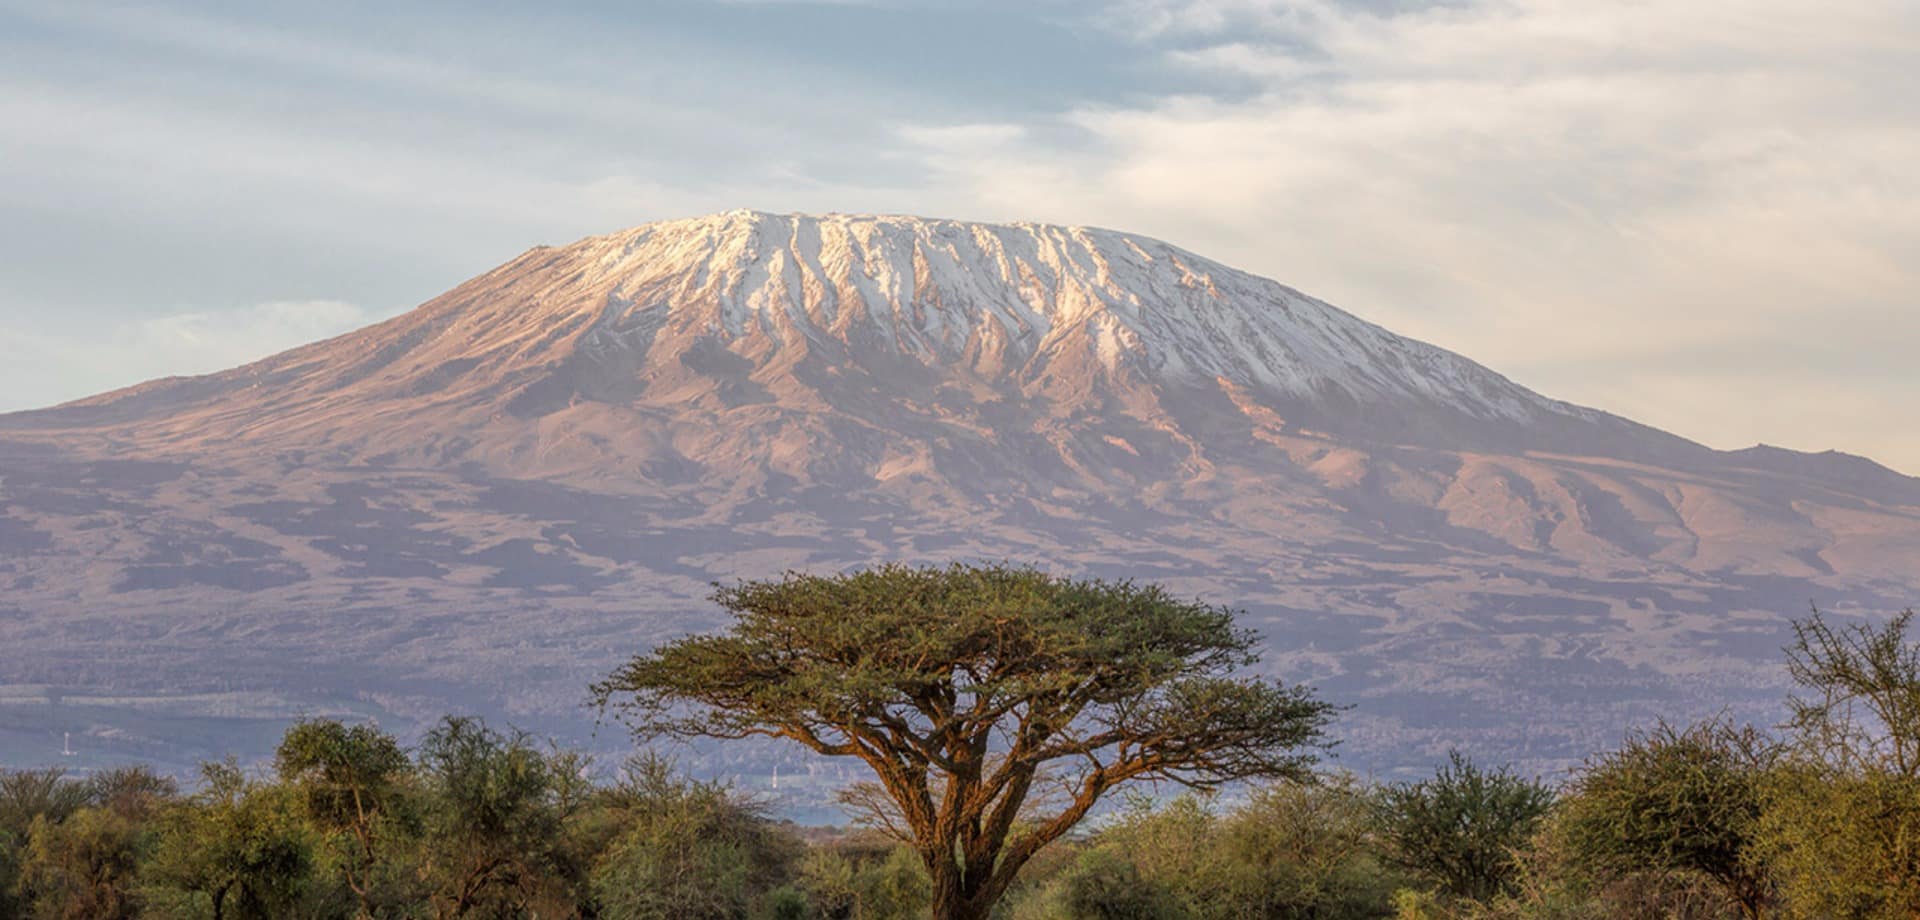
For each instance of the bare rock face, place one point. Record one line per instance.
(487, 502)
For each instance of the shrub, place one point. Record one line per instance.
(687, 849)
(1460, 830)
(1672, 801)
(240, 848)
(84, 866)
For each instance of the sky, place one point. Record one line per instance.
(1703, 215)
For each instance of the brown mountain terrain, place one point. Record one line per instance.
(486, 502)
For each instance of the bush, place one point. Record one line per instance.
(1303, 850)
(1097, 885)
(84, 866)
(29, 794)
(1291, 850)
(1844, 844)
(1460, 831)
(786, 903)
(687, 849)
(493, 840)
(1677, 802)
(1841, 827)
(239, 848)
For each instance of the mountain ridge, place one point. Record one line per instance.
(800, 283)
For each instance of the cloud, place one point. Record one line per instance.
(218, 340)
(41, 370)
(1557, 189)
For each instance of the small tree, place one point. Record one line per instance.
(1842, 826)
(1672, 801)
(493, 825)
(85, 866)
(1864, 707)
(350, 781)
(240, 845)
(29, 794)
(1461, 829)
(33, 803)
(687, 849)
(957, 685)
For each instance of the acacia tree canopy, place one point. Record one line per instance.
(965, 687)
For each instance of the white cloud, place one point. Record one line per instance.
(1558, 189)
(207, 341)
(44, 369)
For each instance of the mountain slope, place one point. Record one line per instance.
(485, 501)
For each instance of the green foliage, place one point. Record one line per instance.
(1292, 850)
(959, 686)
(1707, 823)
(10, 855)
(1841, 829)
(687, 849)
(845, 882)
(1675, 801)
(84, 866)
(29, 794)
(347, 776)
(1864, 706)
(827, 878)
(1844, 844)
(1303, 850)
(1551, 883)
(493, 842)
(785, 903)
(352, 783)
(1168, 844)
(132, 791)
(893, 888)
(238, 849)
(1461, 830)
(1105, 887)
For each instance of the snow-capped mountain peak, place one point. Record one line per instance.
(883, 318)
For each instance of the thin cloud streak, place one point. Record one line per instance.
(173, 344)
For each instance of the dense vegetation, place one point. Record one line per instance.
(1817, 818)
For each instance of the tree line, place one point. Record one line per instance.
(995, 708)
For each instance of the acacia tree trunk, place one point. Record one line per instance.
(949, 904)
(950, 898)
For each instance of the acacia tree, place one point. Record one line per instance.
(964, 688)
(1462, 828)
(1842, 823)
(350, 778)
(1865, 711)
(239, 844)
(1685, 802)
(495, 823)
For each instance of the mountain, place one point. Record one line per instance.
(485, 503)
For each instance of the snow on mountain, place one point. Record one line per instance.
(840, 313)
